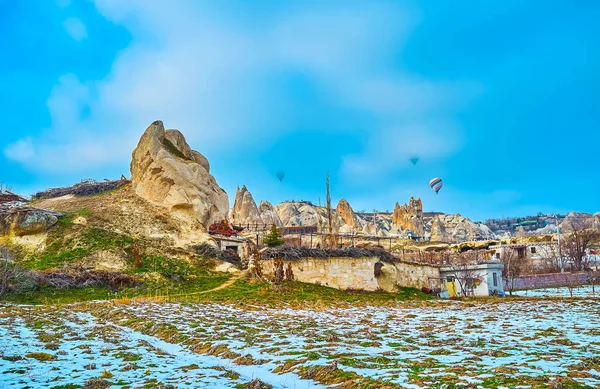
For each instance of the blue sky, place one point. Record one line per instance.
(500, 99)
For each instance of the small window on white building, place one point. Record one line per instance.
(497, 255)
(495, 275)
(533, 250)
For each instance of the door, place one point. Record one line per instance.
(451, 286)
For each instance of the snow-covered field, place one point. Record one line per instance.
(501, 344)
(580, 291)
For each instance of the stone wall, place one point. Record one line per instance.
(359, 273)
(551, 280)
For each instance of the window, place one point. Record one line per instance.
(450, 279)
(497, 255)
(495, 275)
(533, 250)
(471, 283)
(521, 252)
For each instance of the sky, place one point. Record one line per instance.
(500, 99)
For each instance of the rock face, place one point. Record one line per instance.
(23, 221)
(244, 208)
(268, 214)
(166, 172)
(409, 217)
(457, 228)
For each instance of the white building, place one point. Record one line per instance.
(538, 256)
(483, 279)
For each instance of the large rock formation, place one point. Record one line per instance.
(268, 214)
(409, 217)
(166, 172)
(344, 219)
(352, 223)
(457, 228)
(244, 208)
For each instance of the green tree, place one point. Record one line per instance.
(273, 238)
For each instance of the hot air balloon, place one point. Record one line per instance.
(436, 184)
(414, 160)
(280, 175)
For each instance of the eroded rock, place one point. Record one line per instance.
(244, 208)
(457, 228)
(166, 172)
(409, 217)
(23, 221)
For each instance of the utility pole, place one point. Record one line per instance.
(562, 269)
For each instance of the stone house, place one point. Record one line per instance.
(234, 243)
(539, 256)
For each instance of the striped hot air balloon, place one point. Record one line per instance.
(436, 184)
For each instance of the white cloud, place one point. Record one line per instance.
(211, 74)
(75, 28)
(20, 151)
(390, 149)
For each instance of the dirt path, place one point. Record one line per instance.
(224, 285)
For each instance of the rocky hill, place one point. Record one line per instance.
(164, 212)
(457, 228)
(540, 224)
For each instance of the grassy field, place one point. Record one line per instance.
(189, 290)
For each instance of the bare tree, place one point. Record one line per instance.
(592, 278)
(463, 270)
(581, 233)
(553, 262)
(514, 267)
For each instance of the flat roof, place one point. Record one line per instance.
(481, 266)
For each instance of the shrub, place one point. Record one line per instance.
(278, 270)
(289, 273)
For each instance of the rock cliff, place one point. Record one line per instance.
(166, 172)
